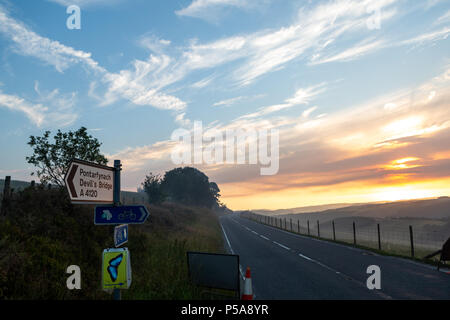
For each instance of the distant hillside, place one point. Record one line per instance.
(417, 209)
(307, 209)
(15, 184)
(127, 197)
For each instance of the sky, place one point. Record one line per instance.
(358, 90)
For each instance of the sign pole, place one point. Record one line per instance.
(117, 169)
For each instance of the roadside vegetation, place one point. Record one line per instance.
(42, 233)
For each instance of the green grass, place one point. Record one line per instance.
(42, 234)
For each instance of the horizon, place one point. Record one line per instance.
(357, 90)
(307, 206)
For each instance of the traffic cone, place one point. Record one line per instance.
(248, 290)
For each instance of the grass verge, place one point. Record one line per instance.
(42, 234)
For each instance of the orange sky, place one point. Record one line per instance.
(393, 147)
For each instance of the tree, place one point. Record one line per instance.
(152, 187)
(53, 159)
(190, 186)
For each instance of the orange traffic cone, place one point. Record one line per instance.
(248, 290)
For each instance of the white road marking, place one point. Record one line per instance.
(255, 233)
(226, 238)
(264, 237)
(242, 274)
(305, 257)
(281, 245)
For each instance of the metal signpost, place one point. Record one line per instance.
(90, 183)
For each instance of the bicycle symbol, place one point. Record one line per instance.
(127, 214)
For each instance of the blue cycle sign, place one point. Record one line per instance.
(120, 215)
(120, 235)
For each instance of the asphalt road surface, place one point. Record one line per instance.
(288, 266)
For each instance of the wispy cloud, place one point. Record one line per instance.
(140, 86)
(308, 112)
(28, 43)
(34, 112)
(203, 82)
(352, 53)
(52, 109)
(86, 3)
(445, 18)
(231, 101)
(205, 9)
(302, 96)
(432, 36)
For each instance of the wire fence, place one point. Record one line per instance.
(393, 237)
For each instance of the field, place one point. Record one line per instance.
(429, 220)
(42, 234)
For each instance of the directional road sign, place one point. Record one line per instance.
(90, 183)
(120, 215)
(120, 235)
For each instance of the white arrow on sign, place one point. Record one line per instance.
(90, 183)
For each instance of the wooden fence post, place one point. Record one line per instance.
(318, 229)
(308, 229)
(354, 233)
(7, 188)
(334, 232)
(412, 240)
(6, 195)
(379, 236)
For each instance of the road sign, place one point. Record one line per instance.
(120, 215)
(120, 235)
(116, 269)
(90, 183)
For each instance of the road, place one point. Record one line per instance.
(287, 266)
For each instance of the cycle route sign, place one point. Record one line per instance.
(120, 215)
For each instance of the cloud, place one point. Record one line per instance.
(61, 107)
(231, 101)
(357, 149)
(47, 110)
(34, 112)
(428, 37)
(352, 53)
(86, 3)
(28, 43)
(445, 18)
(202, 8)
(203, 82)
(308, 112)
(301, 96)
(141, 86)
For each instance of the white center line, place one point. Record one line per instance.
(264, 237)
(255, 232)
(281, 245)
